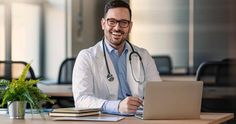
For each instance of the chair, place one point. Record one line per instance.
(230, 73)
(65, 77)
(164, 64)
(218, 74)
(12, 70)
(65, 72)
(207, 72)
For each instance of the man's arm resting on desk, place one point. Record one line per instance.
(130, 105)
(127, 106)
(111, 107)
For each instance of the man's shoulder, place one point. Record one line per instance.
(139, 49)
(92, 51)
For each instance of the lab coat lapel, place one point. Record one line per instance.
(113, 85)
(135, 88)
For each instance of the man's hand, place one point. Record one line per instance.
(129, 105)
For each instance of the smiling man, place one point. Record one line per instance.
(111, 75)
(116, 25)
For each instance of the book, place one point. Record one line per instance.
(73, 112)
(90, 118)
(63, 114)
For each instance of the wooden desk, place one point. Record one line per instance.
(55, 90)
(219, 92)
(205, 118)
(65, 90)
(178, 77)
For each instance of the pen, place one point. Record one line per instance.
(141, 106)
(127, 95)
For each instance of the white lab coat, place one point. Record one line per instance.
(90, 85)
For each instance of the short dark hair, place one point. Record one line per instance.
(115, 4)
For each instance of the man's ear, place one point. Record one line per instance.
(103, 22)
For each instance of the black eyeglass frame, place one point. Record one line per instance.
(123, 23)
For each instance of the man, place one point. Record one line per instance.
(103, 76)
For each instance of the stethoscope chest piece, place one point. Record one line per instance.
(110, 77)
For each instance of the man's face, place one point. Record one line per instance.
(116, 26)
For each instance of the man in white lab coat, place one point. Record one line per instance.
(104, 76)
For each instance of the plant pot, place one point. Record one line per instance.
(17, 109)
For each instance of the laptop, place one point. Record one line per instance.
(172, 100)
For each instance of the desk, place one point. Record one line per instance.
(205, 118)
(178, 77)
(55, 90)
(65, 90)
(219, 92)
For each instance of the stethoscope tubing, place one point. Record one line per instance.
(110, 77)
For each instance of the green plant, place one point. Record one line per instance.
(23, 90)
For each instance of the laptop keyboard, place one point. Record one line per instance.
(139, 112)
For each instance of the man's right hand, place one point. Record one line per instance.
(129, 105)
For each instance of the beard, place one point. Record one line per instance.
(117, 37)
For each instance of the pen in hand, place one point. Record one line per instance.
(141, 105)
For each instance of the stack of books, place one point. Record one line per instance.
(73, 112)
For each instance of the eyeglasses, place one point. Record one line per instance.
(122, 23)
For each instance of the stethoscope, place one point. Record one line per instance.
(110, 77)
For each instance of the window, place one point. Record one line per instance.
(23, 32)
(2, 35)
(162, 27)
(26, 34)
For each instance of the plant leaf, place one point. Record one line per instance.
(24, 73)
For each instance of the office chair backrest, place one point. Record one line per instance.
(12, 70)
(217, 73)
(65, 77)
(65, 72)
(229, 72)
(164, 64)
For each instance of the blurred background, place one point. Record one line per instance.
(46, 32)
(188, 39)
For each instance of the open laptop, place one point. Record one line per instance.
(172, 100)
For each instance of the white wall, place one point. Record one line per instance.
(161, 26)
(55, 51)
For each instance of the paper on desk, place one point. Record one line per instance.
(89, 118)
(3, 111)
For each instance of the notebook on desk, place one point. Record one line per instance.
(172, 100)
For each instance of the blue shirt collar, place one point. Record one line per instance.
(110, 49)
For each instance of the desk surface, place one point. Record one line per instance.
(205, 118)
(64, 90)
(178, 77)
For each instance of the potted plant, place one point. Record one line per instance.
(18, 92)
